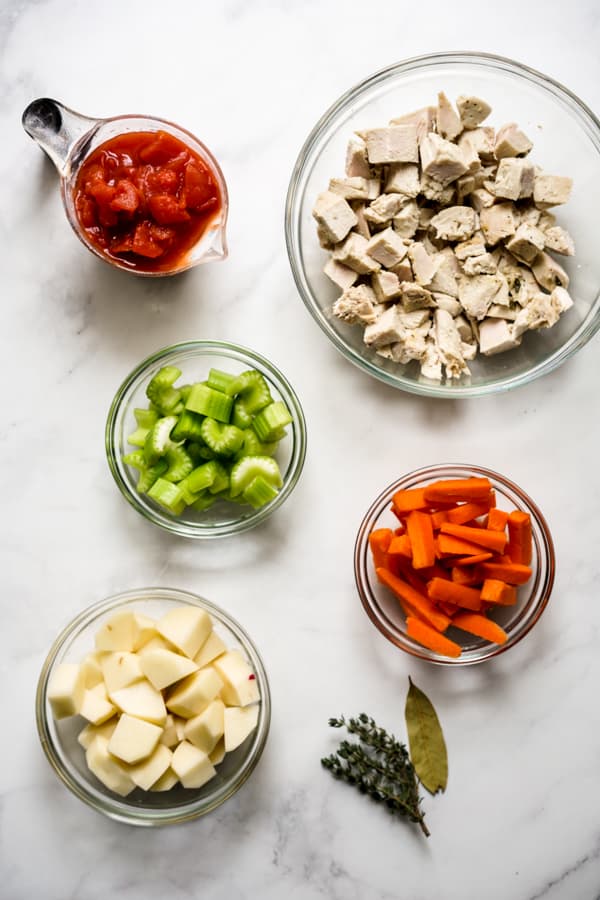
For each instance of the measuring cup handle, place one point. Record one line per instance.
(57, 129)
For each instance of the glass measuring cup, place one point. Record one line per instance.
(69, 138)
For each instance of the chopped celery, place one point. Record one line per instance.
(188, 426)
(149, 475)
(252, 387)
(221, 381)
(201, 478)
(204, 501)
(168, 495)
(158, 439)
(221, 480)
(247, 468)
(259, 492)
(135, 459)
(208, 402)
(180, 464)
(225, 440)
(138, 438)
(145, 418)
(240, 417)
(270, 420)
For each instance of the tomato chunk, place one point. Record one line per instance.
(166, 209)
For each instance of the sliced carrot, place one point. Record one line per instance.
(422, 606)
(497, 519)
(406, 571)
(473, 560)
(483, 537)
(447, 543)
(467, 511)
(519, 537)
(451, 592)
(400, 546)
(512, 573)
(379, 542)
(435, 571)
(439, 517)
(464, 575)
(448, 608)
(498, 592)
(457, 490)
(481, 626)
(420, 532)
(431, 638)
(407, 500)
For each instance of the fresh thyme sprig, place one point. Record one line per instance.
(377, 765)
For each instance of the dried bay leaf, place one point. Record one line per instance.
(426, 740)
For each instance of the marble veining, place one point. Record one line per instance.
(519, 820)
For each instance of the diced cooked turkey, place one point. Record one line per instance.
(357, 164)
(354, 188)
(334, 216)
(441, 159)
(386, 330)
(456, 223)
(406, 220)
(511, 141)
(387, 248)
(395, 144)
(559, 240)
(540, 312)
(477, 293)
(415, 297)
(447, 119)
(449, 344)
(340, 274)
(353, 253)
(422, 264)
(384, 208)
(424, 119)
(548, 273)
(403, 178)
(386, 285)
(497, 336)
(497, 222)
(472, 110)
(356, 306)
(447, 302)
(551, 190)
(514, 179)
(484, 264)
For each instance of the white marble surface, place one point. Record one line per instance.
(520, 817)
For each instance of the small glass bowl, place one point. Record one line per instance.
(383, 608)
(566, 139)
(195, 358)
(67, 757)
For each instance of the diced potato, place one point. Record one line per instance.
(118, 633)
(239, 723)
(239, 681)
(170, 737)
(142, 701)
(206, 729)
(189, 698)
(163, 667)
(96, 707)
(192, 766)
(66, 690)
(134, 739)
(87, 734)
(91, 669)
(156, 642)
(166, 781)
(120, 669)
(145, 630)
(147, 773)
(218, 754)
(186, 627)
(106, 768)
(212, 647)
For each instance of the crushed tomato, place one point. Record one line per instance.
(145, 199)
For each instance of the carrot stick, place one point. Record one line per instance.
(483, 537)
(406, 571)
(430, 638)
(463, 514)
(473, 560)
(400, 546)
(438, 518)
(447, 543)
(448, 608)
(407, 500)
(512, 573)
(498, 592)
(497, 519)
(457, 489)
(464, 575)
(449, 591)
(421, 605)
(420, 532)
(519, 537)
(379, 542)
(481, 626)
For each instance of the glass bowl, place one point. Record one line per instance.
(566, 138)
(382, 607)
(67, 757)
(195, 358)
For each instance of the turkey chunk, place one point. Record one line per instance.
(356, 306)
(472, 110)
(386, 285)
(514, 179)
(339, 274)
(387, 248)
(353, 253)
(526, 243)
(449, 344)
(441, 159)
(511, 141)
(424, 119)
(496, 336)
(456, 223)
(403, 178)
(548, 273)
(559, 240)
(357, 164)
(334, 216)
(447, 119)
(551, 190)
(395, 144)
(498, 222)
(477, 293)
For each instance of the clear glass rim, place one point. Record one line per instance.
(116, 808)
(66, 183)
(298, 433)
(541, 589)
(588, 119)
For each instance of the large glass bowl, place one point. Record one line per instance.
(67, 757)
(195, 358)
(566, 138)
(384, 610)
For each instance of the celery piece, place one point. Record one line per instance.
(135, 459)
(221, 480)
(138, 438)
(168, 495)
(158, 439)
(201, 478)
(145, 418)
(180, 464)
(149, 475)
(252, 387)
(240, 417)
(259, 492)
(208, 402)
(204, 501)
(199, 451)
(270, 420)
(253, 447)
(221, 381)
(184, 390)
(160, 390)
(188, 426)
(224, 440)
(249, 467)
